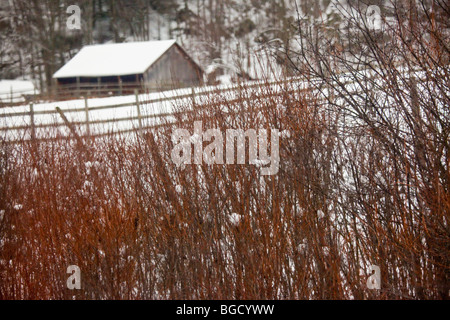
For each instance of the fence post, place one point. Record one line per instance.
(86, 111)
(78, 87)
(32, 125)
(71, 128)
(193, 97)
(11, 94)
(136, 93)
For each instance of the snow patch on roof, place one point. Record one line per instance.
(116, 59)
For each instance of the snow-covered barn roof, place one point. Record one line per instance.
(116, 59)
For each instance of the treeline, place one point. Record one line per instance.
(35, 41)
(222, 35)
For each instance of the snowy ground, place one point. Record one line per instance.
(14, 90)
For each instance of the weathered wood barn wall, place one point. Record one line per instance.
(174, 68)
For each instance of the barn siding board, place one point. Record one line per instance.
(174, 69)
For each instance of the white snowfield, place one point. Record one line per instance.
(102, 60)
(15, 90)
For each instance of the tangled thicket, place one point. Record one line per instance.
(364, 180)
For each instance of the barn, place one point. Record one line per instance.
(121, 68)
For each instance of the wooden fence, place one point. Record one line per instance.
(98, 89)
(61, 92)
(85, 125)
